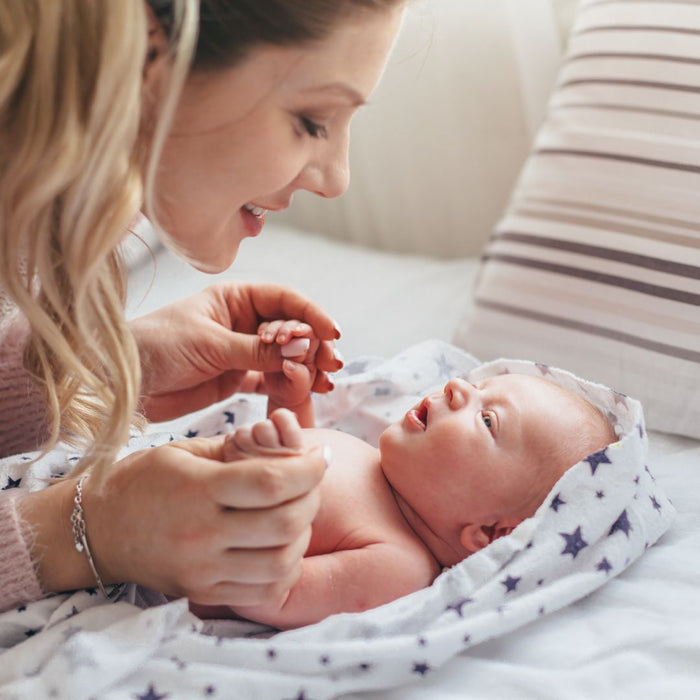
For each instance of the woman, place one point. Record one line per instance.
(205, 117)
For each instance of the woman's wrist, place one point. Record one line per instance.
(47, 515)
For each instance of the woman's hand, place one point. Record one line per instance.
(197, 351)
(180, 520)
(291, 387)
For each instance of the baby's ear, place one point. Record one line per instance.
(475, 537)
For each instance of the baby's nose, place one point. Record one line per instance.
(458, 392)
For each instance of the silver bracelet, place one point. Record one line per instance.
(77, 519)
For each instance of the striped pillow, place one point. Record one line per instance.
(596, 265)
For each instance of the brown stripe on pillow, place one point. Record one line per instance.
(596, 3)
(586, 55)
(651, 162)
(600, 277)
(631, 83)
(652, 28)
(645, 261)
(627, 108)
(616, 211)
(591, 329)
(602, 225)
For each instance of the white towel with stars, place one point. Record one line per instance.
(598, 518)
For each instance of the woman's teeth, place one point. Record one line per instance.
(255, 211)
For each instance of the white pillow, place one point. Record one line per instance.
(596, 265)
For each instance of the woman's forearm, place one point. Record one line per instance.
(47, 516)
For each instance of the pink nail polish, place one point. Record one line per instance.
(295, 347)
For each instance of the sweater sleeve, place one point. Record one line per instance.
(23, 417)
(19, 582)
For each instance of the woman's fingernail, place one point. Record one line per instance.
(327, 455)
(338, 357)
(297, 346)
(336, 327)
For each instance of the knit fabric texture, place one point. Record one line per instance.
(19, 582)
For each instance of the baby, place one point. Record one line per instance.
(462, 468)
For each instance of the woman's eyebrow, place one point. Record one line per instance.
(352, 95)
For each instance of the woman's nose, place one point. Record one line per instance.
(328, 173)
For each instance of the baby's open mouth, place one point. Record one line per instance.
(419, 415)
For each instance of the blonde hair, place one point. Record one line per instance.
(75, 142)
(71, 163)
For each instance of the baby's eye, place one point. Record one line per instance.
(488, 421)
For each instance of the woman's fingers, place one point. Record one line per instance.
(190, 524)
(266, 481)
(328, 357)
(240, 594)
(262, 565)
(276, 301)
(266, 528)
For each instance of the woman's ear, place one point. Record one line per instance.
(157, 49)
(475, 537)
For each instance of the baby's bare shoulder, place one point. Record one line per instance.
(359, 510)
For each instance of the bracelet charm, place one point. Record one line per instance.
(80, 541)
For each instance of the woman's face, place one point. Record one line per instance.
(244, 139)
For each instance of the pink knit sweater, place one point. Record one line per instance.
(19, 582)
(22, 412)
(22, 423)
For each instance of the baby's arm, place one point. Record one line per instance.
(291, 387)
(348, 581)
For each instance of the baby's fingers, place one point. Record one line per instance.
(283, 330)
(288, 428)
(265, 434)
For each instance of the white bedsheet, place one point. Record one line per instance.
(76, 646)
(636, 637)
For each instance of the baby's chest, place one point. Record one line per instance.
(357, 506)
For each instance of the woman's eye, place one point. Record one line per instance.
(313, 129)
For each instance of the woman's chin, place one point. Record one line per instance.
(211, 264)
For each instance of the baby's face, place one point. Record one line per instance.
(476, 453)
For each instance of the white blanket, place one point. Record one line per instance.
(595, 522)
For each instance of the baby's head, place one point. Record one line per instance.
(471, 462)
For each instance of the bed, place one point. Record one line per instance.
(395, 273)
(635, 637)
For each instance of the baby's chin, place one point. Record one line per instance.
(387, 436)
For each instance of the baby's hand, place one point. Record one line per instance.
(280, 434)
(291, 387)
